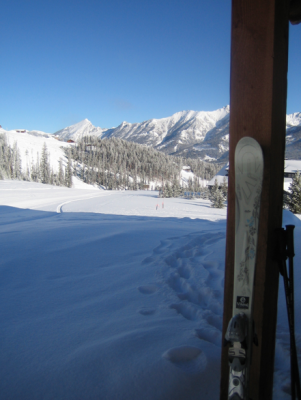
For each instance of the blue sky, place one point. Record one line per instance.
(115, 60)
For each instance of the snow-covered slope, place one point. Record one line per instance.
(293, 120)
(171, 134)
(293, 136)
(30, 145)
(79, 130)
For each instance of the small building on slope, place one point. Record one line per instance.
(290, 169)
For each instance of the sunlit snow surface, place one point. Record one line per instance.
(30, 145)
(108, 295)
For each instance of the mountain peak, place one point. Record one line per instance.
(82, 123)
(79, 130)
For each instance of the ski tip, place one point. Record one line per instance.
(248, 156)
(250, 142)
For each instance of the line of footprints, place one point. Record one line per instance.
(190, 276)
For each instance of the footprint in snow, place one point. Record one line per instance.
(187, 310)
(148, 260)
(147, 311)
(190, 359)
(148, 289)
(213, 336)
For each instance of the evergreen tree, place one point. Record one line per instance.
(68, 171)
(34, 173)
(37, 169)
(168, 190)
(216, 196)
(224, 188)
(45, 165)
(213, 190)
(5, 154)
(218, 199)
(61, 176)
(294, 201)
(16, 163)
(175, 188)
(190, 185)
(27, 174)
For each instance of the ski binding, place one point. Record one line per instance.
(236, 336)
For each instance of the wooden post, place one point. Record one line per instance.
(259, 53)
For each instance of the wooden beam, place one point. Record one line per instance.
(258, 87)
(295, 12)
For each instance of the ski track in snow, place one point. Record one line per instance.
(59, 208)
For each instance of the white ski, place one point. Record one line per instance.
(240, 332)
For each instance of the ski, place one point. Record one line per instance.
(240, 333)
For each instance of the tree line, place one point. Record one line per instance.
(37, 171)
(118, 164)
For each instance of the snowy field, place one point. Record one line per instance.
(109, 295)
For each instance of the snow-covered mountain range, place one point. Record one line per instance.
(202, 134)
(196, 134)
(175, 134)
(180, 134)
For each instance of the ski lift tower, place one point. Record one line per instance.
(258, 89)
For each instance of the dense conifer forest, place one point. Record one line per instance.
(111, 163)
(118, 164)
